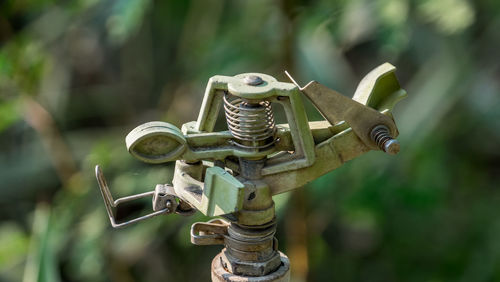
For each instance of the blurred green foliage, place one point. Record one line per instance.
(76, 76)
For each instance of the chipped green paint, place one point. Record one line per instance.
(235, 173)
(302, 150)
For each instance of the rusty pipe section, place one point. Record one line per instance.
(250, 248)
(250, 253)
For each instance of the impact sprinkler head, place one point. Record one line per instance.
(234, 174)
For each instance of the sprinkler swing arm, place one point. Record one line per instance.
(235, 173)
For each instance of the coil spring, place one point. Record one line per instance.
(252, 124)
(380, 135)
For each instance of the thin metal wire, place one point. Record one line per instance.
(110, 203)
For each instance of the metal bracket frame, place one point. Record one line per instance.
(284, 93)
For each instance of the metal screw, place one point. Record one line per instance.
(380, 135)
(253, 80)
(168, 205)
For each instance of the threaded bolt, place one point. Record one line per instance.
(381, 136)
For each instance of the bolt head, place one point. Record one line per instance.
(253, 80)
(391, 147)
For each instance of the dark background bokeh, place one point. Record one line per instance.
(77, 76)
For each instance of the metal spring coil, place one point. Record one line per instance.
(380, 135)
(252, 124)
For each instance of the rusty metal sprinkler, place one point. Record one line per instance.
(233, 174)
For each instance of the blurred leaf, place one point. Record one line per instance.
(125, 19)
(9, 113)
(42, 261)
(13, 249)
(449, 16)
